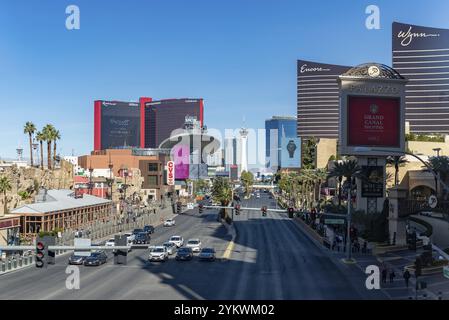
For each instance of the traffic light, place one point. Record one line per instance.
(178, 207)
(237, 209)
(44, 256)
(290, 212)
(264, 211)
(41, 253)
(201, 208)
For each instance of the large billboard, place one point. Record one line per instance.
(290, 152)
(181, 157)
(374, 121)
(120, 124)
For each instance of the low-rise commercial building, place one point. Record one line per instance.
(61, 209)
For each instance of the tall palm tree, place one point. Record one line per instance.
(247, 179)
(30, 129)
(222, 193)
(48, 132)
(41, 138)
(56, 137)
(5, 186)
(321, 176)
(441, 167)
(396, 161)
(337, 172)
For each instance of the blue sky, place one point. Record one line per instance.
(239, 55)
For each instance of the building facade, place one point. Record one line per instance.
(163, 116)
(420, 54)
(61, 209)
(318, 99)
(283, 148)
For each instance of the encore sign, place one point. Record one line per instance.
(170, 173)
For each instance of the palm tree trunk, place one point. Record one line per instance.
(49, 155)
(31, 150)
(42, 156)
(5, 204)
(54, 154)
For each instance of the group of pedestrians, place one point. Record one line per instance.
(390, 273)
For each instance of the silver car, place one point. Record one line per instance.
(171, 247)
(194, 244)
(158, 253)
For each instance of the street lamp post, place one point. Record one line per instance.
(111, 166)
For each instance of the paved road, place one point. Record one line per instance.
(272, 259)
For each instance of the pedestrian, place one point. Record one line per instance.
(406, 276)
(384, 275)
(392, 275)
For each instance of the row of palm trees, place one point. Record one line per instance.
(48, 134)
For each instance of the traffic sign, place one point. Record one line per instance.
(446, 271)
(334, 221)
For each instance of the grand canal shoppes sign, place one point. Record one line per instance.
(372, 111)
(372, 126)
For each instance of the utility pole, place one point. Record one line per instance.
(348, 235)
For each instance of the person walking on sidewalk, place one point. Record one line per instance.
(392, 275)
(384, 275)
(406, 276)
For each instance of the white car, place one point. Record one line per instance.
(110, 243)
(169, 223)
(171, 247)
(158, 253)
(177, 240)
(130, 238)
(194, 244)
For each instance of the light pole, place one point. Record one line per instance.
(91, 170)
(348, 234)
(111, 166)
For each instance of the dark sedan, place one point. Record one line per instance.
(207, 254)
(142, 238)
(184, 254)
(96, 259)
(148, 229)
(79, 260)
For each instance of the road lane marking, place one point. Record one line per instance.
(228, 251)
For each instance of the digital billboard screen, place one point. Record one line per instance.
(181, 157)
(374, 121)
(120, 125)
(373, 185)
(290, 152)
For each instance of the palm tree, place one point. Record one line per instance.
(247, 179)
(440, 166)
(41, 138)
(337, 172)
(30, 129)
(321, 176)
(5, 186)
(396, 161)
(56, 136)
(222, 192)
(48, 132)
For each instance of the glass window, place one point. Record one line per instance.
(153, 167)
(153, 180)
